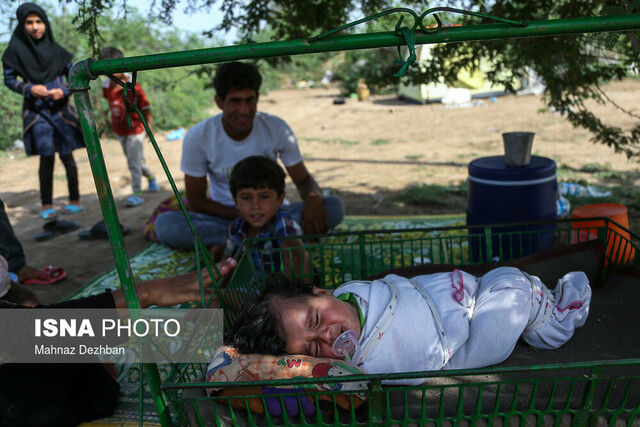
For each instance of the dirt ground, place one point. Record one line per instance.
(366, 152)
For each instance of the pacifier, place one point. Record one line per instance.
(345, 345)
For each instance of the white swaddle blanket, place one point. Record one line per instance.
(456, 321)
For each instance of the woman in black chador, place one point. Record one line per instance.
(35, 67)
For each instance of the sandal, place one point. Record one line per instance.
(99, 231)
(48, 214)
(55, 228)
(46, 276)
(71, 209)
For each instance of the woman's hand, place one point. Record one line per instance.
(56, 94)
(39, 91)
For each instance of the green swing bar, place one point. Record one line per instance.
(85, 71)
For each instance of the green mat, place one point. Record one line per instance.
(160, 261)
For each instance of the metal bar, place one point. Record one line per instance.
(105, 196)
(93, 69)
(112, 222)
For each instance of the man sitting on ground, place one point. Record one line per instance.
(211, 149)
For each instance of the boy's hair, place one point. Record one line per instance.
(110, 52)
(257, 172)
(237, 76)
(258, 328)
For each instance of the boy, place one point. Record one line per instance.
(438, 321)
(257, 186)
(131, 138)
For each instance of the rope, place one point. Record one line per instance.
(410, 39)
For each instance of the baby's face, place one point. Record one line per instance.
(312, 325)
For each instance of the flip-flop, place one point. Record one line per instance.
(99, 231)
(55, 228)
(71, 209)
(47, 276)
(48, 214)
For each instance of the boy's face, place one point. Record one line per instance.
(238, 111)
(257, 207)
(312, 325)
(34, 26)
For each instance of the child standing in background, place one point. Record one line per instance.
(35, 66)
(132, 138)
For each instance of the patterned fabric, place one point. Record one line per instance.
(264, 259)
(230, 366)
(169, 204)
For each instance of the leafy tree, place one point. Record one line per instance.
(574, 68)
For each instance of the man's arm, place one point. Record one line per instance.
(168, 291)
(314, 219)
(199, 202)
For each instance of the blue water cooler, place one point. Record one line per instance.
(499, 194)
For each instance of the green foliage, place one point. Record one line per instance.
(574, 67)
(426, 194)
(380, 141)
(10, 119)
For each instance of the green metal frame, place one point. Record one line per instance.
(85, 71)
(568, 393)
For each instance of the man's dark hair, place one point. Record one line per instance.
(110, 52)
(258, 328)
(236, 76)
(257, 172)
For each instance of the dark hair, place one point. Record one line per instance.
(258, 328)
(257, 172)
(237, 76)
(110, 52)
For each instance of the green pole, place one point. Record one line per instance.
(80, 87)
(364, 41)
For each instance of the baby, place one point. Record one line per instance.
(438, 321)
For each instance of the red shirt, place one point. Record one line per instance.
(113, 93)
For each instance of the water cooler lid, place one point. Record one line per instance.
(494, 168)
